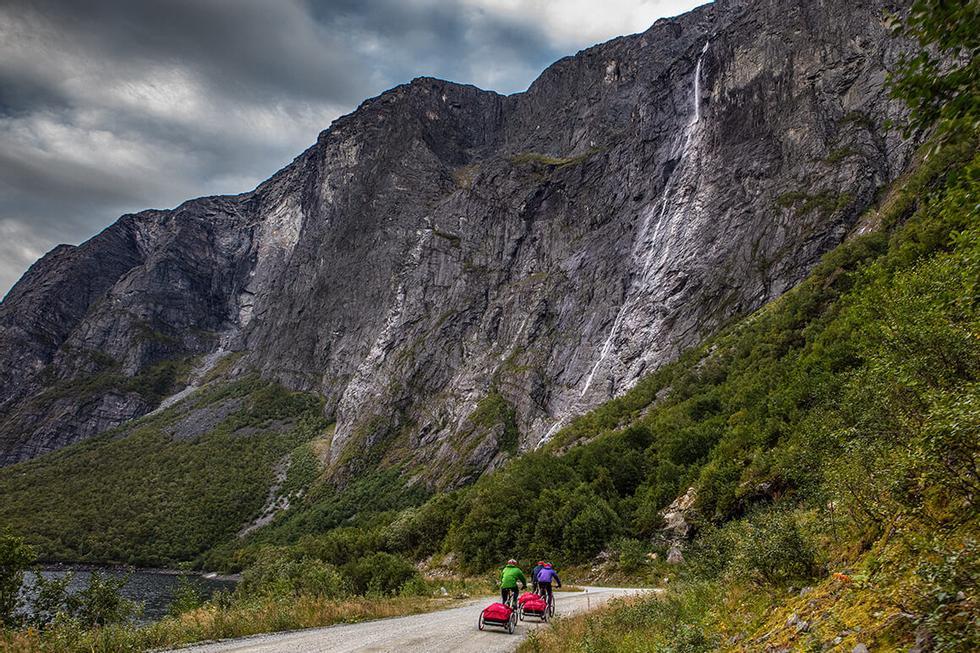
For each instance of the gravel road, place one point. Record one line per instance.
(446, 630)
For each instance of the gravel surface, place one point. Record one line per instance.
(446, 630)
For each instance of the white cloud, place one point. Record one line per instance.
(579, 23)
(20, 246)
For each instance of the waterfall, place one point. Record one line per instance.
(665, 200)
(697, 83)
(554, 429)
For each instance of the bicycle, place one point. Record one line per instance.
(548, 596)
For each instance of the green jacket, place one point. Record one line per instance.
(511, 576)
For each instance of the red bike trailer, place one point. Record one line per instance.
(534, 609)
(498, 615)
(525, 597)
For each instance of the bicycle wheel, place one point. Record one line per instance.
(480, 623)
(551, 606)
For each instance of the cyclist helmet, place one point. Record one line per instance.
(512, 562)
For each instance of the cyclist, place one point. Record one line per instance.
(534, 575)
(510, 578)
(545, 577)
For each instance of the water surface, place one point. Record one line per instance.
(154, 589)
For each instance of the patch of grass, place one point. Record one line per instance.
(536, 159)
(859, 118)
(153, 384)
(464, 176)
(304, 469)
(495, 411)
(839, 154)
(825, 202)
(146, 332)
(222, 367)
(454, 239)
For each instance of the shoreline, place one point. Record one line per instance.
(160, 571)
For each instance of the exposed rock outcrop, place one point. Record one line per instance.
(677, 524)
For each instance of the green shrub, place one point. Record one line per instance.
(718, 489)
(770, 547)
(589, 530)
(15, 558)
(414, 586)
(187, 596)
(278, 573)
(940, 82)
(419, 532)
(380, 574)
(948, 607)
(779, 549)
(51, 600)
(632, 555)
(101, 603)
(342, 545)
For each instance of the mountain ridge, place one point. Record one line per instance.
(442, 246)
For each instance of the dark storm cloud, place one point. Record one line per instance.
(446, 39)
(109, 106)
(248, 48)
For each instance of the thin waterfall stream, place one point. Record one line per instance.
(665, 202)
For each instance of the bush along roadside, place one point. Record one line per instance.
(279, 592)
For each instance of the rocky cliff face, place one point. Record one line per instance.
(459, 272)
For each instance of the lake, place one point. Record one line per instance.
(154, 589)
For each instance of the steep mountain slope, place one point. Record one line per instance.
(453, 270)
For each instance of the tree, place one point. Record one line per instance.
(940, 82)
(15, 558)
(101, 603)
(590, 529)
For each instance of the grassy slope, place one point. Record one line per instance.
(859, 472)
(138, 495)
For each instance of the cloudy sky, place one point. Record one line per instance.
(111, 106)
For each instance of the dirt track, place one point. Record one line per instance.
(446, 630)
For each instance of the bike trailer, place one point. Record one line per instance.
(536, 608)
(499, 615)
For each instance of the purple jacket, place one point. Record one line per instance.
(548, 575)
